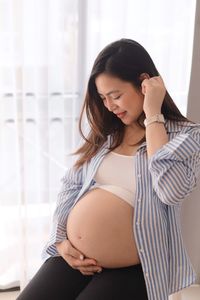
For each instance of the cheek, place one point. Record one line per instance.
(140, 102)
(136, 107)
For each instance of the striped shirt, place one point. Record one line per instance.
(163, 181)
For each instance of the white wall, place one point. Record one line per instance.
(191, 207)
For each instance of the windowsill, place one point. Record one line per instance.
(9, 295)
(190, 293)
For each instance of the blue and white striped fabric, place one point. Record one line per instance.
(162, 183)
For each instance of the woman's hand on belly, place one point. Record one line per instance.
(76, 259)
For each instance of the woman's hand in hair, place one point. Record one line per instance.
(76, 259)
(154, 92)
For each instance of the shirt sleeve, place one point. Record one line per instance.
(175, 167)
(71, 185)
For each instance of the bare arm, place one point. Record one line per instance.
(154, 93)
(156, 136)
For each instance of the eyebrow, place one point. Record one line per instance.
(111, 92)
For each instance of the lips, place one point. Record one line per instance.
(121, 115)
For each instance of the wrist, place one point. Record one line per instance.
(151, 113)
(157, 118)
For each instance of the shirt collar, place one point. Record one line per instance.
(174, 126)
(170, 126)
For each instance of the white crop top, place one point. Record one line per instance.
(116, 174)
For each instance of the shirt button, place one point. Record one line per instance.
(139, 175)
(139, 200)
(138, 223)
(141, 250)
(147, 275)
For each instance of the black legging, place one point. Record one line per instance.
(56, 280)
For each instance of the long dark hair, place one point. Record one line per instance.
(127, 60)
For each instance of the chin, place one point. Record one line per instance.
(127, 121)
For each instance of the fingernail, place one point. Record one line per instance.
(81, 257)
(99, 271)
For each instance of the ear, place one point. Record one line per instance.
(144, 76)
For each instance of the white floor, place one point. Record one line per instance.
(191, 293)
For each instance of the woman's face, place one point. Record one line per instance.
(120, 97)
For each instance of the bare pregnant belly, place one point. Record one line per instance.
(100, 225)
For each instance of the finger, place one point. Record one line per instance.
(88, 262)
(91, 269)
(74, 252)
(83, 263)
(143, 86)
(156, 81)
(145, 81)
(158, 78)
(87, 273)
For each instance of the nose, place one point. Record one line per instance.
(109, 104)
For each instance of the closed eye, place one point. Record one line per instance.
(115, 98)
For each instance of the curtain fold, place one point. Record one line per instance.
(47, 50)
(38, 99)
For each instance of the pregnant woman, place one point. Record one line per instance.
(116, 232)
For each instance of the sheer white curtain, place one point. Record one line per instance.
(38, 98)
(47, 49)
(164, 28)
